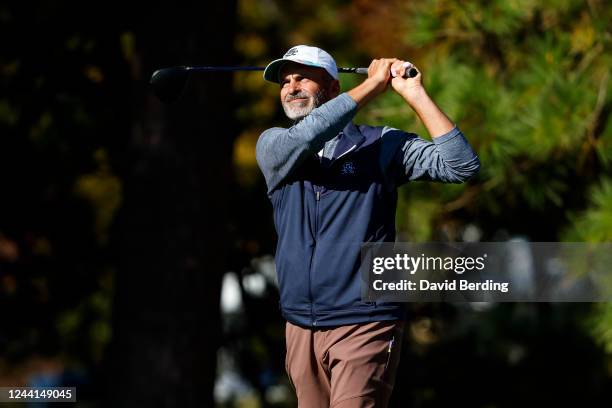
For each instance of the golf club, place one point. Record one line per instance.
(168, 83)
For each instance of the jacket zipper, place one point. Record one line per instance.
(314, 250)
(316, 236)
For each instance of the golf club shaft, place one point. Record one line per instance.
(363, 71)
(168, 83)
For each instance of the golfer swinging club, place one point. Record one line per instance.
(333, 186)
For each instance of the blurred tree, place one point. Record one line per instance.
(82, 136)
(171, 233)
(57, 118)
(528, 83)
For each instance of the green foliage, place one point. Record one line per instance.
(600, 325)
(528, 83)
(595, 223)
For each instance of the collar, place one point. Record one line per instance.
(349, 139)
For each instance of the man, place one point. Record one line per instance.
(333, 186)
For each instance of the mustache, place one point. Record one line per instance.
(301, 94)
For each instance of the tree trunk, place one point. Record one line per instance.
(171, 230)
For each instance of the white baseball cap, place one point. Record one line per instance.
(305, 55)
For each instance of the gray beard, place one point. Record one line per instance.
(298, 113)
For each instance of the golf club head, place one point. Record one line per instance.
(168, 83)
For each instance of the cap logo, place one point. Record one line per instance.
(291, 52)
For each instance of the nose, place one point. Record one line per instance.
(293, 86)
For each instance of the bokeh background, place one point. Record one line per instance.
(136, 238)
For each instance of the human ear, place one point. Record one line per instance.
(334, 88)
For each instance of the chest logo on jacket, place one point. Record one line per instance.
(348, 168)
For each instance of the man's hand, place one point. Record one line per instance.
(383, 71)
(411, 89)
(379, 76)
(379, 73)
(413, 92)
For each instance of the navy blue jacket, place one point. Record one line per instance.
(333, 186)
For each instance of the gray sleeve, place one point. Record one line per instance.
(279, 151)
(449, 158)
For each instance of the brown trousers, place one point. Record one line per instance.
(344, 367)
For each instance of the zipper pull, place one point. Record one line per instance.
(318, 195)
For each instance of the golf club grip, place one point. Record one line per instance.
(411, 73)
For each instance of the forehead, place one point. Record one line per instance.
(292, 68)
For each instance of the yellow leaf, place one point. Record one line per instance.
(94, 74)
